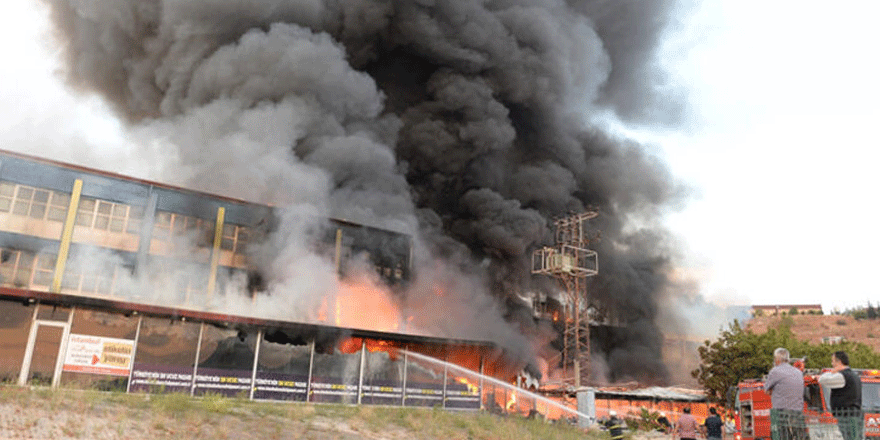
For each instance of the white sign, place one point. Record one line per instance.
(98, 355)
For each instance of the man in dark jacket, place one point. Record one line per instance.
(713, 425)
(846, 395)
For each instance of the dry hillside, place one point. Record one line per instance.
(813, 328)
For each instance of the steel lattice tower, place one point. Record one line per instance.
(571, 263)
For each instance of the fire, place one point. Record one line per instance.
(353, 345)
(511, 402)
(467, 357)
(322, 311)
(365, 305)
(350, 345)
(473, 389)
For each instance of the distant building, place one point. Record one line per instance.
(831, 340)
(776, 309)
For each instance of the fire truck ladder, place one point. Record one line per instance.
(571, 263)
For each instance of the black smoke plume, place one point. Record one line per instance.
(469, 124)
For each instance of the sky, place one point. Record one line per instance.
(779, 144)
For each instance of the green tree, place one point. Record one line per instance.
(739, 354)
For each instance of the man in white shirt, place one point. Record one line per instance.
(846, 395)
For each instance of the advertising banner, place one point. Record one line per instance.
(98, 355)
(462, 396)
(280, 386)
(229, 383)
(382, 392)
(152, 378)
(333, 390)
(423, 394)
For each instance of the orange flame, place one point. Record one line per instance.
(350, 345)
(511, 402)
(366, 306)
(473, 389)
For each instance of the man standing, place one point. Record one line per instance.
(687, 426)
(785, 384)
(713, 425)
(846, 395)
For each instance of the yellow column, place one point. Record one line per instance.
(337, 261)
(215, 253)
(66, 234)
(338, 251)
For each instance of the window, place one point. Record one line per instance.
(169, 225)
(33, 202)
(96, 282)
(871, 396)
(109, 216)
(44, 269)
(235, 238)
(190, 285)
(16, 267)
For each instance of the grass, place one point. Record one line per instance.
(84, 414)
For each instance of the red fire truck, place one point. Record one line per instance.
(752, 408)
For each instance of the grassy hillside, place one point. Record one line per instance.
(75, 414)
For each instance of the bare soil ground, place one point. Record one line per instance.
(813, 328)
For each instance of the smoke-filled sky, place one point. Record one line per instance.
(727, 147)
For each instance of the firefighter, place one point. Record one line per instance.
(615, 426)
(665, 426)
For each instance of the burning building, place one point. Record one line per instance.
(119, 283)
(442, 137)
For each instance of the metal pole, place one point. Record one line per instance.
(311, 366)
(62, 349)
(445, 378)
(192, 386)
(405, 368)
(482, 373)
(256, 362)
(29, 350)
(137, 337)
(361, 377)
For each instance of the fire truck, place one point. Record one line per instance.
(752, 408)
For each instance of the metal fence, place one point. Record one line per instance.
(846, 424)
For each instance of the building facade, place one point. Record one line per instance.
(110, 282)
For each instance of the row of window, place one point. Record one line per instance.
(33, 202)
(44, 204)
(25, 269)
(108, 216)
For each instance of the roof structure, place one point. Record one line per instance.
(652, 393)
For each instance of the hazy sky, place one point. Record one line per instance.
(783, 150)
(780, 145)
